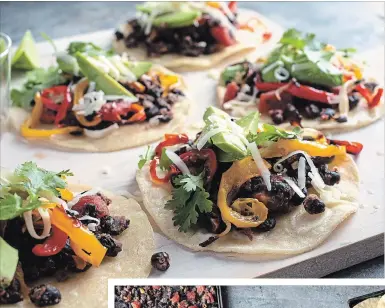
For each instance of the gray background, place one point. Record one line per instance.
(344, 24)
(294, 296)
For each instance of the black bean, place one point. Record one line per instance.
(114, 225)
(45, 295)
(313, 205)
(327, 114)
(277, 116)
(11, 294)
(113, 246)
(160, 261)
(312, 111)
(267, 225)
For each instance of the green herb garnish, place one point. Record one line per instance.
(189, 199)
(20, 191)
(146, 157)
(37, 80)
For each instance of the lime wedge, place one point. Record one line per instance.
(26, 56)
(3, 45)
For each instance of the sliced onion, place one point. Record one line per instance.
(31, 229)
(177, 161)
(265, 173)
(281, 73)
(343, 97)
(204, 138)
(296, 189)
(302, 173)
(96, 134)
(272, 66)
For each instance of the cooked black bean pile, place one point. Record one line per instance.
(166, 297)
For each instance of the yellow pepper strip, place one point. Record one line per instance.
(168, 82)
(78, 94)
(27, 131)
(83, 242)
(65, 194)
(232, 179)
(285, 146)
(214, 4)
(37, 111)
(49, 205)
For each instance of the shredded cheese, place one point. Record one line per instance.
(296, 189)
(204, 138)
(265, 173)
(302, 173)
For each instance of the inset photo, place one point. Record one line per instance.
(210, 296)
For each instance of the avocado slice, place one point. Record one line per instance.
(177, 19)
(8, 263)
(103, 81)
(138, 68)
(226, 141)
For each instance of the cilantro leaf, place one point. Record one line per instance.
(189, 199)
(190, 182)
(144, 158)
(37, 80)
(305, 58)
(36, 179)
(21, 192)
(164, 161)
(272, 133)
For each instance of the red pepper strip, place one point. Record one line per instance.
(233, 6)
(139, 115)
(310, 93)
(64, 106)
(208, 155)
(364, 91)
(112, 112)
(273, 95)
(154, 176)
(353, 148)
(47, 96)
(376, 98)
(222, 36)
(52, 245)
(48, 103)
(171, 139)
(268, 86)
(231, 91)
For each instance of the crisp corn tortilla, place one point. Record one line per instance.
(359, 117)
(295, 233)
(134, 261)
(127, 136)
(247, 42)
(369, 303)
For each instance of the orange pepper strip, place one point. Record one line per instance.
(78, 94)
(83, 242)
